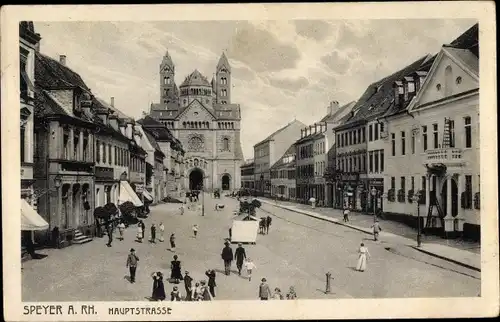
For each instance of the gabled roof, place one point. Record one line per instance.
(289, 152)
(162, 133)
(379, 96)
(466, 57)
(223, 62)
(167, 61)
(310, 137)
(151, 138)
(334, 117)
(271, 136)
(195, 79)
(49, 73)
(207, 108)
(468, 40)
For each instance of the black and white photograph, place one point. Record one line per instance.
(249, 159)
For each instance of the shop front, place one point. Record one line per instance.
(376, 191)
(348, 188)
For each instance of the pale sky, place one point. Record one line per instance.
(281, 70)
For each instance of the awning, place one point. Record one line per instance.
(128, 194)
(31, 220)
(146, 194)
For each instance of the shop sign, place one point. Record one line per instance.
(103, 173)
(377, 181)
(350, 177)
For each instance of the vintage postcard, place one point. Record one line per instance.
(277, 161)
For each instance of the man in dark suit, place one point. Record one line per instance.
(240, 255)
(227, 257)
(132, 261)
(188, 285)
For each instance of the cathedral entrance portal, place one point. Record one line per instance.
(196, 179)
(226, 182)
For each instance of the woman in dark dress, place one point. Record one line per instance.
(158, 287)
(172, 242)
(176, 274)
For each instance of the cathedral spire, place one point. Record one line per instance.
(223, 62)
(167, 61)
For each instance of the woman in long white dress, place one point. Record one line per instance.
(363, 253)
(162, 231)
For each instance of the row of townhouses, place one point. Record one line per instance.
(79, 152)
(408, 147)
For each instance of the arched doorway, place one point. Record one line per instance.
(454, 198)
(195, 179)
(226, 182)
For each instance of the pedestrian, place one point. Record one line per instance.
(182, 209)
(197, 294)
(277, 294)
(346, 215)
(249, 265)
(188, 286)
(121, 229)
(205, 294)
(132, 261)
(172, 242)
(176, 274)
(227, 257)
(109, 230)
(363, 253)
(291, 295)
(175, 295)
(143, 226)
(158, 287)
(230, 233)
(264, 290)
(139, 232)
(240, 255)
(195, 230)
(211, 281)
(153, 233)
(376, 230)
(162, 231)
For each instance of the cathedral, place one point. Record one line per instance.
(200, 114)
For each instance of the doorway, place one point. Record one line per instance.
(226, 182)
(454, 198)
(195, 180)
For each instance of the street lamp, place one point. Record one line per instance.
(415, 199)
(374, 195)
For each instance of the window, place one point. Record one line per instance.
(85, 147)
(412, 142)
(76, 145)
(393, 182)
(354, 137)
(381, 127)
(370, 156)
(116, 155)
(468, 132)
(393, 143)
(363, 132)
(435, 135)
(98, 151)
(412, 183)
(403, 143)
(23, 152)
(376, 131)
(375, 156)
(364, 162)
(451, 124)
(109, 153)
(338, 139)
(66, 145)
(424, 137)
(359, 135)
(468, 190)
(355, 160)
(350, 137)
(225, 144)
(381, 160)
(104, 153)
(370, 133)
(424, 182)
(403, 184)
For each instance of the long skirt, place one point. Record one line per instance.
(161, 236)
(361, 262)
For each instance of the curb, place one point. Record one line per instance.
(447, 259)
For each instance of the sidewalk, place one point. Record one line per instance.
(464, 254)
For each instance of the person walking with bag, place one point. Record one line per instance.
(132, 261)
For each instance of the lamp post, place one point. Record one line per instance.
(415, 199)
(374, 195)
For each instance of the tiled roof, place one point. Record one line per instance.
(290, 151)
(116, 111)
(466, 57)
(152, 140)
(49, 73)
(248, 165)
(468, 40)
(278, 131)
(195, 79)
(334, 117)
(161, 132)
(310, 137)
(223, 62)
(379, 96)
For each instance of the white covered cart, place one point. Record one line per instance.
(244, 229)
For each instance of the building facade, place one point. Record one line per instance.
(283, 183)
(247, 175)
(268, 151)
(203, 119)
(440, 158)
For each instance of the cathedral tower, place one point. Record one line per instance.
(223, 80)
(168, 89)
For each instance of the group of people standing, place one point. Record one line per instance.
(265, 292)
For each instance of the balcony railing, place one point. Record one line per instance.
(446, 156)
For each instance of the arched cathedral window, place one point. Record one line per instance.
(225, 144)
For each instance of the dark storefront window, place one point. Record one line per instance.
(375, 155)
(370, 156)
(424, 183)
(381, 160)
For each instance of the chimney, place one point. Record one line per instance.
(112, 101)
(129, 129)
(103, 114)
(113, 121)
(333, 107)
(62, 60)
(315, 128)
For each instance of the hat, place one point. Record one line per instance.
(186, 272)
(132, 250)
(226, 242)
(175, 288)
(239, 244)
(263, 280)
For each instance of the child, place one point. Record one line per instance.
(139, 233)
(121, 229)
(195, 230)
(346, 215)
(182, 209)
(249, 265)
(175, 295)
(197, 294)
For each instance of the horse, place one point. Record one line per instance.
(262, 225)
(268, 221)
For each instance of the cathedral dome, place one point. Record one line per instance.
(195, 79)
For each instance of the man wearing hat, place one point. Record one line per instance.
(132, 260)
(188, 285)
(227, 257)
(240, 257)
(376, 230)
(264, 290)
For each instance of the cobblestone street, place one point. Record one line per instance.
(298, 251)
